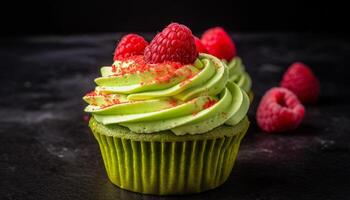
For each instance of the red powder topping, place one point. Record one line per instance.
(93, 93)
(114, 69)
(209, 103)
(175, 65)
(188, 77)
(163, 71)
(173, 102)
(110, 101)
(190, 74)
(104, 106)
(116, 101)
(164, 79)
(138, 65)
(166, 71)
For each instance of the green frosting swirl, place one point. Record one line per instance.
(238, 75)
(193, 100)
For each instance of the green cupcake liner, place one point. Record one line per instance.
(163, 163)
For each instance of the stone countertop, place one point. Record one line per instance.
(48, 152)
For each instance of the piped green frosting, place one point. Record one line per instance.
(238, 75)
(195, 100)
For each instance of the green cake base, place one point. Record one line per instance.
(163, 163)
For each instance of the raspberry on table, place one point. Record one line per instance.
(175, 43)
(301, 80)
(279, 111)
(219, 43)
(130, 45)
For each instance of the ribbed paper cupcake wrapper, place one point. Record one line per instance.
(162, 168)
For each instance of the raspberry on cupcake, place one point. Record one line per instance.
(174, 43)
(129, 45)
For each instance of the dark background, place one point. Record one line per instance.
(50, 52)
(76, 17)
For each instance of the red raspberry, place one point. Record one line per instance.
(199, 45)
(300, 80)
(279, 110)
(175, 43)
(219, 43)
(130, 45)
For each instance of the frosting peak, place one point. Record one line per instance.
(238, 75)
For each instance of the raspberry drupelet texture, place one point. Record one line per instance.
(279, 111)
(218, 43)
(175, 43)
(300, 79)
(130, 45)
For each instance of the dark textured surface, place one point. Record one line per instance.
(48, 152)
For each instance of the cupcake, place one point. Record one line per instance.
(217, 42)
(167, 118)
